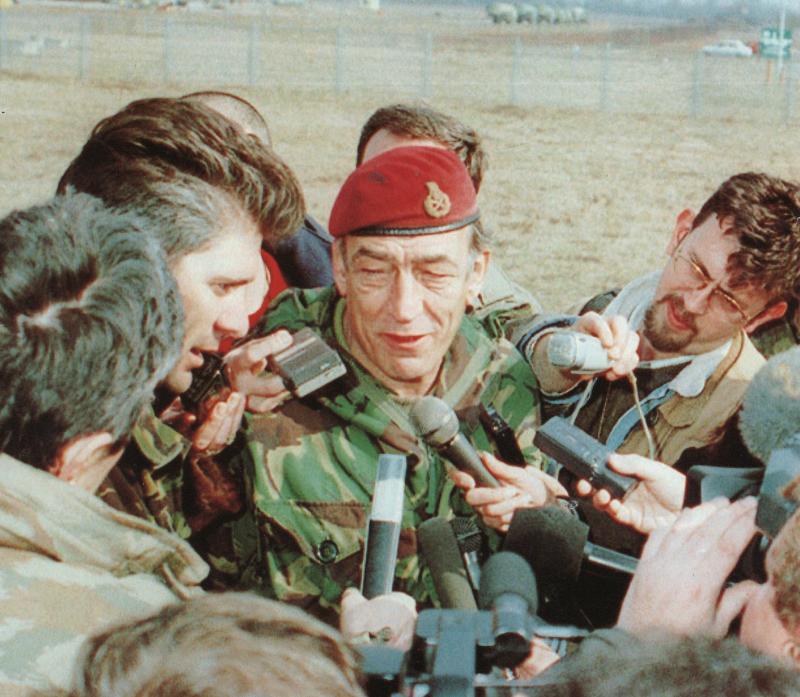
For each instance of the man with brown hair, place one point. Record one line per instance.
(304, 257)
(222, 645)
(238, 197)
(732, 267)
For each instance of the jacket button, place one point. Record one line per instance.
(327, 551)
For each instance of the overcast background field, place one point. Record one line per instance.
(588, 168)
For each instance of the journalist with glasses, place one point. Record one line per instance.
(733, 267)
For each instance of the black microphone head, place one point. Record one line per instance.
(550, 540)
(771, 407)
(507, 573)
(440, 551)
(435, 420)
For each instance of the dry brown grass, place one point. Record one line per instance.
(580, 200)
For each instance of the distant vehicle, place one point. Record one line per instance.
(729, 47)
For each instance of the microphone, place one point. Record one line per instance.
(383, 529)
(771, 406)
(470, 541)
(577, 352)
(555, 544)
(508, 589)
(437, 423)
(440, 550)
(770, 427)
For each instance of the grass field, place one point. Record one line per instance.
(580, 199)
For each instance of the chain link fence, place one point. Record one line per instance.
(204, 50)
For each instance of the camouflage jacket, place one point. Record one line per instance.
(148, 481)
(780, 334)
(160, 480)
(70, 565)
(313, 462)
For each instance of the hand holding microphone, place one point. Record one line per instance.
(595, 345)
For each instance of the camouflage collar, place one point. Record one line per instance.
(159, 444)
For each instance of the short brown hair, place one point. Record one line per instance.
(220, 645)
(150, 141)
(420, 121)
(765, 217)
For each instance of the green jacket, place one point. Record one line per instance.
(312, 463)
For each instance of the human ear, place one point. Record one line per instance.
(338, 252)
(85, 461)
(683, 226)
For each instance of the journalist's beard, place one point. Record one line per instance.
(667, 326)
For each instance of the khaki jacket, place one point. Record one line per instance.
(69, 566)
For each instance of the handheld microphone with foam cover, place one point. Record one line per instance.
(440, 550)
(508, 589)
(770, 427)
(383, 529)
(555, 543)
(577, 352)
(437, 423)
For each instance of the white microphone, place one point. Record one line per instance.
(383, 529)
(577, 352)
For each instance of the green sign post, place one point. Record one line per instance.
(771, 46)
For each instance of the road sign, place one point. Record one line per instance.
(771, 46)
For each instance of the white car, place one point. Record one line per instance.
(728, 47)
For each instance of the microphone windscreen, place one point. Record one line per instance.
(507, 573)
(771, 407)
(435, 420)
(550, 540)
(441, 553)
(468, 534)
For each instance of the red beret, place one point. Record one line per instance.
(415, 190)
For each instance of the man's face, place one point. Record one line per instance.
(695, 309)
(220, 285)
(382, 141)
(405, 300)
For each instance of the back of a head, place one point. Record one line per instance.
(670, 667)
(765, 216)
(222, 645)
(783, 568)
(423, 122)
(90, 321)
(151, 141)
(235, 108)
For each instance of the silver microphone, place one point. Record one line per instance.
(578, 353)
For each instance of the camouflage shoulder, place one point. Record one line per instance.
(600, 302)
(774, 337)
(296, 308)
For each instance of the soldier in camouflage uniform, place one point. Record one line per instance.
(406, 262)
(89, 322)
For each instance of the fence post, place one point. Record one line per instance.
(788, 103)
(252, 55)
(168, 57)
(516, 67)
(427, 64)
(605, 79)
(3, 41)
(697, 86)
(339, 78)
(83, 60)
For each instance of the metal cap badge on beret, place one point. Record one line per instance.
(415, 190)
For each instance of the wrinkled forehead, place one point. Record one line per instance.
(453, 245)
